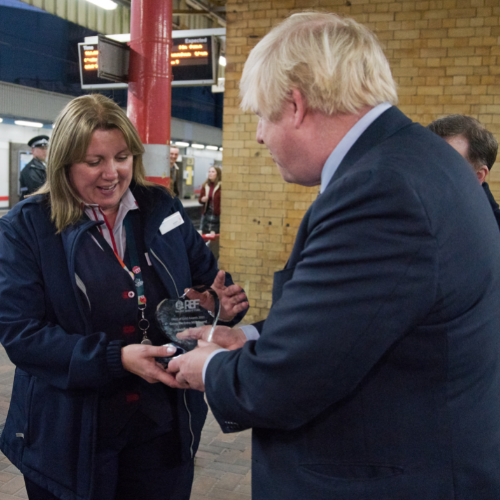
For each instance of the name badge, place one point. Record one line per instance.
(171, 222)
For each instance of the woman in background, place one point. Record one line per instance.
(210, 199)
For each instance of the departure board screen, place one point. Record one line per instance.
(89, 60)
(193, 61)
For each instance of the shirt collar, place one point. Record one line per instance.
(343, 147)
(127, 203)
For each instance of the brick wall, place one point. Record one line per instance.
(445, 57)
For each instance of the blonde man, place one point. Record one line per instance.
(376, 373)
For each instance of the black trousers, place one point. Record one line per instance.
(140, 463)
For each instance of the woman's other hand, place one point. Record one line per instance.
(233, 299)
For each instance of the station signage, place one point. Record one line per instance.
(90, 62)
(194, 61)
(104, 64)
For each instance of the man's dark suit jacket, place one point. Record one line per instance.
(493, 204)
(377, 373)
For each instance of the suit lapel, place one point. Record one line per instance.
(300, 239)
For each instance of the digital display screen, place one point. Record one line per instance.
(89, 65)
(193, 61)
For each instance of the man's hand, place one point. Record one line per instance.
(140, 359)
(188, 368)
(228, 338)
(232, 298)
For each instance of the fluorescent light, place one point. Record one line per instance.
(221, 149)
(182, 144)
(222, 60)
(1, 120)
(105, 4)
(123, 37)
(197, 146)
(28, 124)
(213, 148)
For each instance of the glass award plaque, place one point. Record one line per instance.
(176, 315)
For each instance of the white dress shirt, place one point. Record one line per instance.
(94, 212)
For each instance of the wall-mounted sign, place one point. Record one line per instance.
(89, 68)
(113, 59)
(194, 61)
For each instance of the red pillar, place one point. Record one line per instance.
(150, 75)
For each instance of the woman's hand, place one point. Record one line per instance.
(232, 298)
(140, 359)
(204, 199)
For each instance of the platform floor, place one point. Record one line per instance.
(222, 464)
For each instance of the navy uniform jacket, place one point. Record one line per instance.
(32, 177)
(64, 366)
(377, 373)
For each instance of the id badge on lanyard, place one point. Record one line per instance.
(136, 275)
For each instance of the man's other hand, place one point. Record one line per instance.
(228, 338)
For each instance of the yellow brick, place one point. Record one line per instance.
(444, 57)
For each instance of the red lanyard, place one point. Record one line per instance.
(137, 277)
(113, 242)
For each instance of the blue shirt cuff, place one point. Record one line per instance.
(205, 366)
(251, 333)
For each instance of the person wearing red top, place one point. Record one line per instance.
(210, 197)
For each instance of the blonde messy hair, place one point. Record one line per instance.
(69, 143)
(336, 63)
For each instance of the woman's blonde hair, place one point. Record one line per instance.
(69, 143)
(336, 63)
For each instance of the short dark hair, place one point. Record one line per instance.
(483, 146)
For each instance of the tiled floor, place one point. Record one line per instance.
(222, 464)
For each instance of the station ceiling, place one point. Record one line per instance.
(188, 14)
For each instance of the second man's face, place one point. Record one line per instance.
(174, 154)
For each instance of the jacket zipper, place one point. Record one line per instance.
(82, 230)
(185, 399)
(166, 269)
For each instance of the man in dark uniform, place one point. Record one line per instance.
(33, 174)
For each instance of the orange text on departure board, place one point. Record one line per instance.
(90, 60)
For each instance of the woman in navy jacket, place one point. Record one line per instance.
(83, 265)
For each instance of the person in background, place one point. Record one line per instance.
(34, 174)
(475, 143)
(83, 265)
(376, 374)
(174, 170)
(210, 195)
